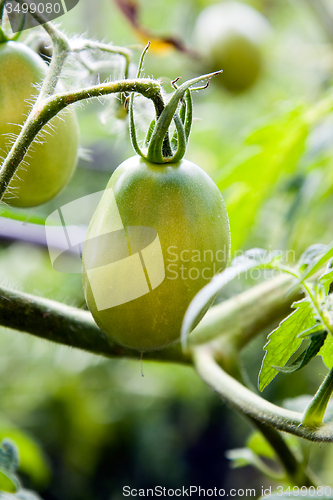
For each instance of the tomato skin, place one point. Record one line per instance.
(182, 203)
(229, 35)
(49, 164)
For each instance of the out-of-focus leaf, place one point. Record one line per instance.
(327, 352)
(159, 43)
(8, 465)
(8, 456)
(285, 340)
(240, 457)
(326, 279)
(8, 482)
(32, 460)
(311, 255)
(259, 445)
(327, 255)
(248, 180)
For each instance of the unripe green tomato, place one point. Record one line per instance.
(49, 163)
(159, 235)
(229, 36)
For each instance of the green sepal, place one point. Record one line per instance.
(132, 130)
(155, 149)
(150, 132)
(181, 141)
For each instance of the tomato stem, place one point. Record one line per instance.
(47, 108)
(315, 411)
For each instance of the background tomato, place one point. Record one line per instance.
(183, 205)
(50, 160)
(229, 36)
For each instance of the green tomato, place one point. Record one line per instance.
(229, 36)
(158, 236)
(51, 158)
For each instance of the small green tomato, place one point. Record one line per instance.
(51, 160)
(229, 36)
(159, 235)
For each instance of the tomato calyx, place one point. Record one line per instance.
(157, 145)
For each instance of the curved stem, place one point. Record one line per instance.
(51, 320)
(66, 325)
(246, 314)
(43, 112)
(246, 402)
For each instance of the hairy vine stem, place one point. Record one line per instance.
(70, 326)
(248, 403)
(44, 110)
(74, 327)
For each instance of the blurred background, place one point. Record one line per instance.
(87, 426)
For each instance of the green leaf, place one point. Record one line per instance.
(311, 255)
(328, 254)
(32, 460)
(259, 445)
(241, 457)
(8, 465)
(272, 150)
(326, 279)
(326, 352)
(316, 342)
(285, 340)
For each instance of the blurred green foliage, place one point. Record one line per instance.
(86, 426)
